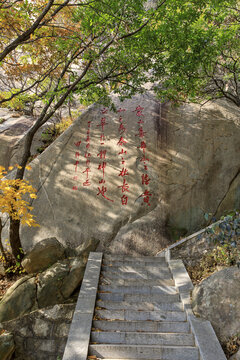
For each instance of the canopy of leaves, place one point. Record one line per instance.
(91, 48)
(201, 51)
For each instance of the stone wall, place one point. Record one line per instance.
(42, 334)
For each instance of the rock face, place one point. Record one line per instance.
(53, 286)
(190, 158)
(217, 300)
(13, 127)
(7, 346)
(42, 334)
(44, 254)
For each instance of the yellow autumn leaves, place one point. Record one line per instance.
(13, 200)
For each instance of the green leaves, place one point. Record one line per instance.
(200, 40)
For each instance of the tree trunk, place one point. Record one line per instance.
(1, 245)
(15, 239)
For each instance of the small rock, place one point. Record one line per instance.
(235, 356)
(7, 346)
(15, 115)
(44, 254)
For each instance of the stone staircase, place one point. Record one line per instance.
(138, 308)
(139, 313)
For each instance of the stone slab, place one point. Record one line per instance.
(137, 268)
(132, 259)
(134, 315)
(79, 334)
(180, 275)
(158, 298)
(125, 305)
(160, 289)
(206, 339)
(152, 297)
(152, 326)
(141, 338)
(138, 263)
(139, 274)
(144, 352)
(128, 282)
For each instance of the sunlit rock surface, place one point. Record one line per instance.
(193, 168)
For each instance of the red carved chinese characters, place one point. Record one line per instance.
(76, 163)
(102, 189)
(146, 195)
(87, 156)
(123, 173)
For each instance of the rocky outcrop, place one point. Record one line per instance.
(42, 334)
(7, 346)
(192, 168)
(44, 254)
(53, 286)
(217, 300)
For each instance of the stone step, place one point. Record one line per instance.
(152, 269)
(159, 298)
(137, 338)
(131, 305)
(148, 290)
(144, 275)
(136, 315)
(153, 352)
(149, 259)
(117, 281)
(138, 326)
(160, 262)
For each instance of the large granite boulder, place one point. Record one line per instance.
(53, 286)
(217, 300)
(191, 161)
(44, 254)
(7, 346)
